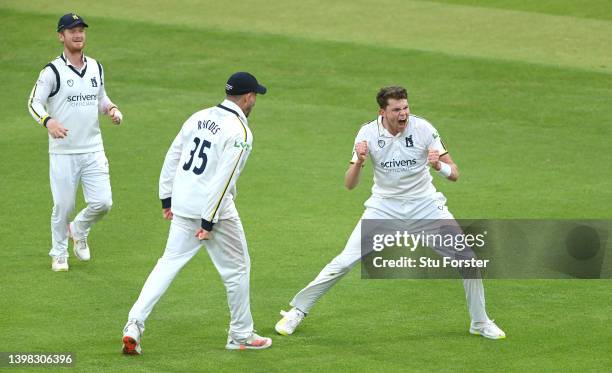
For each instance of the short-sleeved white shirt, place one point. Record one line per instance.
(400, 162)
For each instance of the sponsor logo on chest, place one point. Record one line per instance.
(398, 155)
(81, 99)
(82, 91)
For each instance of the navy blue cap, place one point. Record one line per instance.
(70, 20)
(241, 83)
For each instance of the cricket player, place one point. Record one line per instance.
(403, 148)
(197, 187)
(66, 99)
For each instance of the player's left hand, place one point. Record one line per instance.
(203, 234)
(167, 213)
(433, 158)
(116, 115)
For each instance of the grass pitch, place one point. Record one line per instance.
(520, 93)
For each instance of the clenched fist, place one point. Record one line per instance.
(433, 158)
(361, 149)
(115, 115)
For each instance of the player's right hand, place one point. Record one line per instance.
(167, 213)
(361, 149)
(56, 130)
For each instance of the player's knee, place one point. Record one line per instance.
(102, 207)
(234, 277)
(341, 265)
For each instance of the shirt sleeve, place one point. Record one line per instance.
(166, 178)
(224, 178)
(45, 85)
(435, 141)
(360, 137)
(104, 102)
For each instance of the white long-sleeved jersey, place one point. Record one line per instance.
(74, 98)
(400, 162)
(198, 178)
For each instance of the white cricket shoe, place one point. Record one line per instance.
(59, 263)
(80, 248)
(289, 322)
(252, 342)
(132, 332)
(487, 329)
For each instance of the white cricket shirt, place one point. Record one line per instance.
(73, 97)
(204, 162)
(400, 162)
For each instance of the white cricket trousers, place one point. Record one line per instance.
(65, 173)
(433, 207)
(228, 251)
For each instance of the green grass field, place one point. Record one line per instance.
(520, 91)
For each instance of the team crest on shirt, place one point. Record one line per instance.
(70, 82)
(381, 143)
(94, 82)
(409, 142)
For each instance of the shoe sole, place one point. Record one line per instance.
(130, 346)
(60, 270)
(482, 335)
(246, 347)
(74, 250)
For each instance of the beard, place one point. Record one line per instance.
(72, 47)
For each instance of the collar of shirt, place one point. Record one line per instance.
(83, 59)
(230, 105)
(383, 132)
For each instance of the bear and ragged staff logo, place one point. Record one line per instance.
(409, 142)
